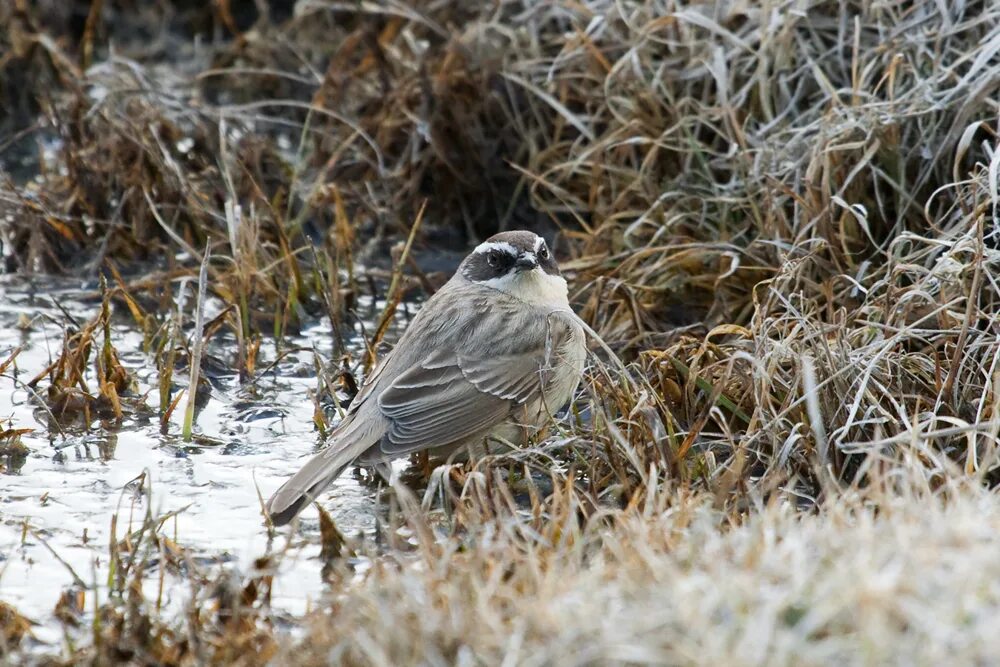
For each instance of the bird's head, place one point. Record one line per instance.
(518, 263)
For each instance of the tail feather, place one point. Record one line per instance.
(318, 473)
(301, 489)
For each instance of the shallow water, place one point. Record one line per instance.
(59, 504)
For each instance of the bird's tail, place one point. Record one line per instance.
(318, 473)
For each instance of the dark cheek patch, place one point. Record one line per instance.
(549, 265)
(476, 267)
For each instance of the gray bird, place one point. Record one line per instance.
(491, 356)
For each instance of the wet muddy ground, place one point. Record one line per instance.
(58, 501)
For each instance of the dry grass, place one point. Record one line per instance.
(782, 215)
(682, 583)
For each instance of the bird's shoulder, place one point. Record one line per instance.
(468, 318)
(445, 326)
(467, 325)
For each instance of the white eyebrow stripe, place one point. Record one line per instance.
(486, 246)
(539, 242)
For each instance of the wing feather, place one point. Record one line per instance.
(459, 393)
(422, 417)
(514, 378)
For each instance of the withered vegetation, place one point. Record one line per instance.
(781, 217)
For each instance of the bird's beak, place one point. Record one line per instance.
(526, 263)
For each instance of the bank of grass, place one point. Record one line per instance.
(900, 573)
(781, 216)
(680, 582)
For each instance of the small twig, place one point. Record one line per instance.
(393, 295)
(197, 348)
(76, 578)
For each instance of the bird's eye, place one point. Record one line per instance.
(544, 252)
(492, 258)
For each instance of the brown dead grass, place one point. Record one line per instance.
(781, 216)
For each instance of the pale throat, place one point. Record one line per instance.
(535, 287)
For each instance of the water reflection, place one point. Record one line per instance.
(56, 501)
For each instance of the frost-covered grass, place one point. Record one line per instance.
(912, 581)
